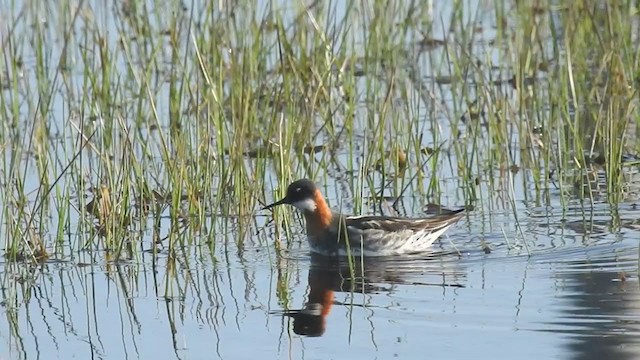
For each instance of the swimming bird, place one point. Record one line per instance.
(331, 233)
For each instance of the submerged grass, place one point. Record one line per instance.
(144, 128)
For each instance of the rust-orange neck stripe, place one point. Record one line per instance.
(327, 302)
(322, 209)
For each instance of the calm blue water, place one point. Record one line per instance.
(575, 301)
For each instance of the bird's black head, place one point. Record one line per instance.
(308, 324)
(301, 194)
(300, 190)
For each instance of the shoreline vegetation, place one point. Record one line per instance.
(131, 129)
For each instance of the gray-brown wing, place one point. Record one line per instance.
(391, 224)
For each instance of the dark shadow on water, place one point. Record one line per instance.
(603, 311)
(365, 276)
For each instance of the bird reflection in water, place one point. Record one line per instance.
(328, 275)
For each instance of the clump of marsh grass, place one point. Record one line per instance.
(182, 120)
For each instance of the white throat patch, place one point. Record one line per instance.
(305, 205)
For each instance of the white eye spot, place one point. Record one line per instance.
(305, 205)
